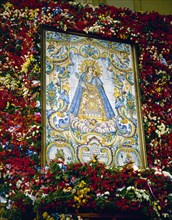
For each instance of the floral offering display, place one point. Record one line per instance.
(59, 189)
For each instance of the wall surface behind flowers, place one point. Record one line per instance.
(164, 7)
(20, 106)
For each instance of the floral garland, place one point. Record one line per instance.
(20, 108)
(64, 191)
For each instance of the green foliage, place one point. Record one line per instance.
(21, 207)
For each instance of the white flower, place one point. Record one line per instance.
(161, 129)
(18, 184)
(38, 104)
(165, 215)
(141, 194)
(2, 200)
(167, 174)
(130, 187)
(135, 168)
(120, 189)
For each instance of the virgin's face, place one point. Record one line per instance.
(90, 70)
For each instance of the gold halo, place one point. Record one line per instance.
(90, 63)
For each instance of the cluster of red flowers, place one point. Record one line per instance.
(108, 189)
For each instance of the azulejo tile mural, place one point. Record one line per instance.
(90, 100)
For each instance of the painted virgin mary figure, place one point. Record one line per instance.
(90, 100)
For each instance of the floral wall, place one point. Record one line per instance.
(20, 102)
(20, 125)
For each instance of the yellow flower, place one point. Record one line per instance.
(82, 184)
(123, 36)
(159, 207)
(62, 217)
(7, 105)
(33, 14)
(69, 188)
(84, 201)
(81, 196)
(26, 64)
(75, 198)
(8, 5)
(88, 189)
(158, 89)
(45, 215)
